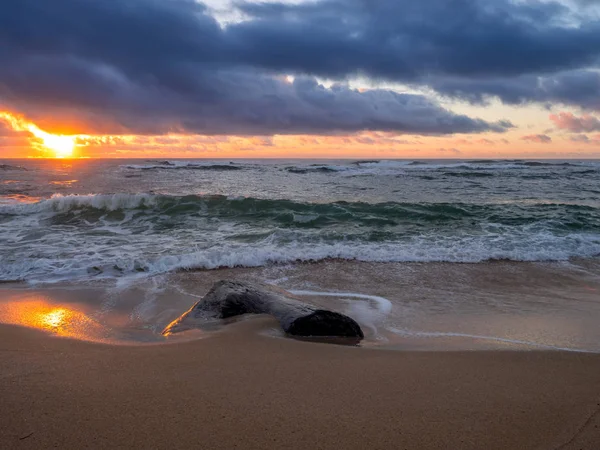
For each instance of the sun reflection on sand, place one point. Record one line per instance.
(55, 318)
(59, 320)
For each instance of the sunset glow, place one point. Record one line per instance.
(59, 146)
(355, 89)
(62, 146)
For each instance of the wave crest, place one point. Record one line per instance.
(66, 237)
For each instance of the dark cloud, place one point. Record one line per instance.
(146, 66)
(396, 40)
(150, 66)
(239, 102)
(568, 121)
(538, 138)
(575, 87)
(403, 40)
(519, 52)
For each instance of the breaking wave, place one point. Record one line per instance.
(82, 236)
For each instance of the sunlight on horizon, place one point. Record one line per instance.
(62, 146)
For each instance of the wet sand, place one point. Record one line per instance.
(240, 388)
(435, 306)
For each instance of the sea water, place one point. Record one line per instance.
(448, 244)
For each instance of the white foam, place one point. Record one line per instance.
(35, 249)
(65, 203)
(65, 258)
(426, 334)
(360, 311)
(384, 306)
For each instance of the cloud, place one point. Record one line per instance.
(398, 41)
(585, 139)
(402, 40)
(150, 67)
(474, 50)
(238, 102)
(568, 121)
(11, 139)
(453, 151)
(519, 52)
(147, 66)
(538, 138)
(579, 87)
(6, 130)
(580, 138)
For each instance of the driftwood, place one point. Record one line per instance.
(234, 298)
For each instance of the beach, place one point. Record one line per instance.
(241, 388)
(300, 224)
(478, 302)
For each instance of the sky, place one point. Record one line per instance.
(289, 79)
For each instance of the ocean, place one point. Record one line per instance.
(423, 253)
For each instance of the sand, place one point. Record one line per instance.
(243, 389)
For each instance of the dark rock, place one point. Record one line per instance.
(234, 298)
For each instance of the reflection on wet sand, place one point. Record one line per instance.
(36, 311)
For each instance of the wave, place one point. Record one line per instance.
(287, 211)
(468, 174)
(545, 164)
(184, 165)
(584, 172)
(485, 161)
(122, 263)
(365, 161)
(355, 168)
(318, 169)
(83, 236)
(451, 168)
(64, 203)
(10, 167)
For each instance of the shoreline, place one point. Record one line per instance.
(430, 306)
(243, 388)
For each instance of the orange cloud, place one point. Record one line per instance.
(453, 151)
(538, 138)
(585, 139)
(568, 121)
(18, 139)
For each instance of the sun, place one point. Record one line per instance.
(61, 146)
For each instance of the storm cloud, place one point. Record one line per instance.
(150, 66)
(576, 87)
(473, 50)
(406, 40)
